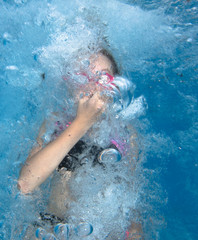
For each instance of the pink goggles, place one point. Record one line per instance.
(103, 79)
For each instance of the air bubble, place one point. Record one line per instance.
(122, 92)
(189, 40)
(85, 63)
(62, 231)
(40, 233)
(7, 38)
(11, 67)
(84, 229)
(110, 155)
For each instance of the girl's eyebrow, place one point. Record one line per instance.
(106, 70)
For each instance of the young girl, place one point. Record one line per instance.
(62, 152)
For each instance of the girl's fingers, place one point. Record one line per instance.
(93, 100)
(84, 97)
(97, 101)
(95, 96)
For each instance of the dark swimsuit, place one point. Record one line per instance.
(74, 158)
(72, 161)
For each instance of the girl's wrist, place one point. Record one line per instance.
(83, 123)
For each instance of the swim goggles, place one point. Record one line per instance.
(103, 79)
(120, 88)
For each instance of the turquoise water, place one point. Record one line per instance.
(156, 44)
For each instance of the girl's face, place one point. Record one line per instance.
(100, 63)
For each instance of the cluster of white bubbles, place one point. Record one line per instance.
(64, 231)
(107, 198)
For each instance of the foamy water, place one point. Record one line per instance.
(155, 44)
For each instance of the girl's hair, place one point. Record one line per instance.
(107, 54)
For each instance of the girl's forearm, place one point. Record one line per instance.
(38, 167)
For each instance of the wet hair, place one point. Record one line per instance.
(107, 54)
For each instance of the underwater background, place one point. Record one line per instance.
(156, 44)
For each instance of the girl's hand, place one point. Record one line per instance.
(89, 108)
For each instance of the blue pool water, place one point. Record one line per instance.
(156, 44)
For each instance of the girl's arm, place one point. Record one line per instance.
(41, 164)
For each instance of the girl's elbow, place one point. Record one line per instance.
(23, 187)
